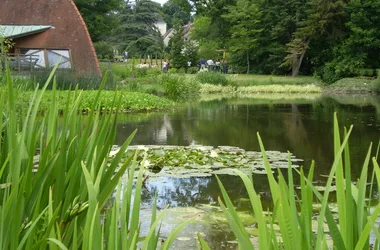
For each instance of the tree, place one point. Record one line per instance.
(244, 18)
(99, 16)
(176, 11)
(177, 56)
(137, 32)
(362, 46)
(324, 18)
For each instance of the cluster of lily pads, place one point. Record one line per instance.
(204, 161)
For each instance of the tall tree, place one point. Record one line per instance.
(176, 11)
(244, 18)
(137, 32)
(324, 18)
(278, 23)
(362, 46)
(99, 16)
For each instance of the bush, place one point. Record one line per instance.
(154, 72)
(141, 72)
(327, 74)
(213, 78)
(377, 81)
(179, 87)
(173, 71)
(192, 70)
(181, 71)
(103, 50)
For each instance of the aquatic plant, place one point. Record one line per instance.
(203, 161)
(57, 188)
(349, 228)
(129, 101)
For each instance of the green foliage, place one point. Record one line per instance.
(173, 71)
(64, 80)
(99, 16)
(177, 56)
(293, 211)
(130, 101)
(154, 72)
(179, 87)
(212, 89)
(192, 70)
(57, 177)
(137, 32)
(104, 50)
(214, 78)
(176, 11)
(244, 18)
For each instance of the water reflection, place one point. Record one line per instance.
(303, 127)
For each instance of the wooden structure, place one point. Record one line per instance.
(46, 31)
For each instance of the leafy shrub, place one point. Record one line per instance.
(173, 71)
(154, 72)
(103, 50)
(141, 72)
(327, 74)
(212, 78)
(181, 71)
(192, 70)
(377, 81)
(133, 86)
(179, 87)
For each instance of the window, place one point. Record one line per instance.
(49, 57)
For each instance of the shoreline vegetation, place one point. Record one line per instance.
(144, 90)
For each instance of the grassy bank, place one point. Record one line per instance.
(249, 80)
(212, 89)
(354, 85)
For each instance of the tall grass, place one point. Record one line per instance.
(57, 179)
(293, 211)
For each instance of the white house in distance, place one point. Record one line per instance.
(169, 33)
(161, 25)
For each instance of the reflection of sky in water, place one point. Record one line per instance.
(178, 192)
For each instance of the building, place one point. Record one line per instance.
(161, 25)
(169, 34)
(45, 31)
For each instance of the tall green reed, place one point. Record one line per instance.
(57, 178)
(293, 210)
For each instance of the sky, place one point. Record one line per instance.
(160, 1)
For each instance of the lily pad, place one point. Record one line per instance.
(204, 161)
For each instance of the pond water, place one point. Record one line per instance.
(302, 125)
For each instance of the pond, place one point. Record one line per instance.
(302, 125)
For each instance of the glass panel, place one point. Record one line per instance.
(61, 56)
(35, 56)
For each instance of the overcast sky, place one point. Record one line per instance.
(160, 1)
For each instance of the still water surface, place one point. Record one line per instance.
(303, 126)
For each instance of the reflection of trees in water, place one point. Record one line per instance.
(303, 129)
(177, 192)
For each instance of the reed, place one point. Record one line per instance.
(58, 182)
(293, 210)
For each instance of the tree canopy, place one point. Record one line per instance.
(330, 38)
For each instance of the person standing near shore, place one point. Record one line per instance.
(225, 66)
(164, 66)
